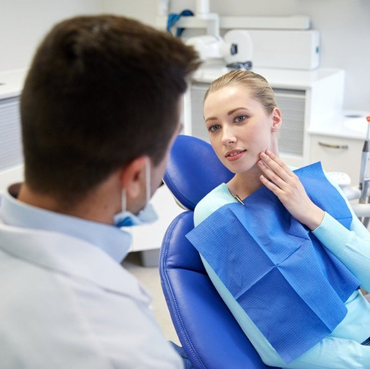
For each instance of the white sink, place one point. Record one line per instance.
(356, 122)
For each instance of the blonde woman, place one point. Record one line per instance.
(303, 309)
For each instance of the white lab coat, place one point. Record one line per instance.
(64, 303)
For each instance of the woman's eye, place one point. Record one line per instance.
(240, 118)
(214, 128)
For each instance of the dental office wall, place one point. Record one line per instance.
(344, 27)
(23, 24)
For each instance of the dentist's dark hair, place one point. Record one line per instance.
(101, 91)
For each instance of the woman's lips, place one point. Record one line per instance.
(234, 155)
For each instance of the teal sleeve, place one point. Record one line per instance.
(351, 247)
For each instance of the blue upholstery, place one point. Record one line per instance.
(193, 170)
(208, 332)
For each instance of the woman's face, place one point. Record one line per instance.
(239, 127)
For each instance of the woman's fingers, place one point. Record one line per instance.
(276, 165)
(272, 186)
(285, 184)
(271, 175)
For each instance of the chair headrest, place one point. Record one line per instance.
(193, 170)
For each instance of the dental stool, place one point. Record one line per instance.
(209, 334)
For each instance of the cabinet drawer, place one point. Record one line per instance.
(10, 137)
(292, 106)
(338, 155)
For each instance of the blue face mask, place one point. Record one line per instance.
(147, 215)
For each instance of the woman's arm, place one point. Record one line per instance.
(351, 247)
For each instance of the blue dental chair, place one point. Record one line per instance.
(209, 334)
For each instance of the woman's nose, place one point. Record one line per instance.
(227, 136)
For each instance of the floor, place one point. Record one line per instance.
(149, 277)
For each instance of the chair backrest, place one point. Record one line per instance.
(193, 170)
(209, 334)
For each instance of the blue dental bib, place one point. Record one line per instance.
(288, 283)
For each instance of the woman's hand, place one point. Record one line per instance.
(286, 185)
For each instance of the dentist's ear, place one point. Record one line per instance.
(133, 177)
(276, 120)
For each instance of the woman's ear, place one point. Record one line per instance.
(276, 120)
(133, 177)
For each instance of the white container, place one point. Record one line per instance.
(285, 49)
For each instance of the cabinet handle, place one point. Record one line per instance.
(338, 147)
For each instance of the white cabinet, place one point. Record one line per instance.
(338, 154)
(10, 137)
(11, 158)
(150, 236)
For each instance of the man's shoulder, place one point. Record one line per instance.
(48, 310)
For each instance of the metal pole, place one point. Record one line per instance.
(364, 199)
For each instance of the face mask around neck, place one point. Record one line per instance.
(147, 215)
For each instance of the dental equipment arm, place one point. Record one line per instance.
(365, 155)
(365, 182)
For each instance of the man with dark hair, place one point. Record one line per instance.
(100, 110)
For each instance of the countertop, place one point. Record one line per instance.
(277, 78)
(11, 82)
(349, 124)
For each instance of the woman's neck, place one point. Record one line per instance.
(244, 184)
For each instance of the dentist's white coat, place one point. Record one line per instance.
(64, 303)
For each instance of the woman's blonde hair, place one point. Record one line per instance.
(255, 83)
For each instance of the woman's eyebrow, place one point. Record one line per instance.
(210, 118)
(228, 113)
(234, 110)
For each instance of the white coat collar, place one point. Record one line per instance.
(68, 245)
(110, 239)
(70, 256)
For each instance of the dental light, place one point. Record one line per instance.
(234, 49)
